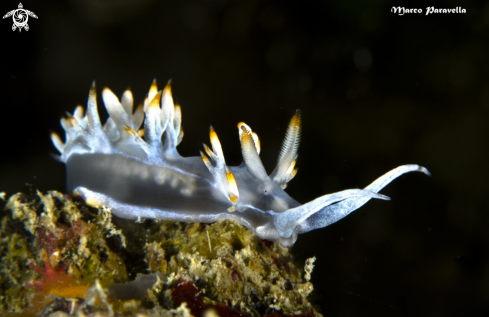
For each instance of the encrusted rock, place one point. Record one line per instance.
(59, 256)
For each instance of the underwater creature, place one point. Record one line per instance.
(138, 173)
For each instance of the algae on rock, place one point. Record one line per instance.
(50, 246)
(54, 247)
(229, 264)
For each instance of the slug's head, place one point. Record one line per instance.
(249, 184)
(277, 216)
(266, 192)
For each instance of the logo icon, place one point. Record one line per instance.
(20, 17)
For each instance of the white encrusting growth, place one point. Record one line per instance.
(137, 172)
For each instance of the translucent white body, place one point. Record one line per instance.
(138, 176)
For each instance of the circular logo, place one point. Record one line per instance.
(20, 18)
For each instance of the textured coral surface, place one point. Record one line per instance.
(60, 257)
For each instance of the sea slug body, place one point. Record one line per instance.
(138, 173)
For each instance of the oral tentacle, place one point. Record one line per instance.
(333, 213)
(388, 177)
(287, 221)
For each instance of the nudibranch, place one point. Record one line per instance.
(138, 173)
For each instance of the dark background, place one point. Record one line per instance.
(377, 90)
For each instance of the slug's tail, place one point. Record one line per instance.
(328, 209)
